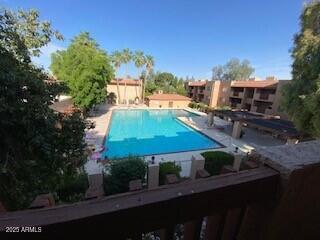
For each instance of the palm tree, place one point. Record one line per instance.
(139, 61)
(126, 58)
(149, 66)
(116, 59)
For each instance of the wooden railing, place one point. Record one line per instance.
(220, 207)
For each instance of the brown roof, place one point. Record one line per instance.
(197, 84)
(128, 81)
(255, 84)
(175, 97)
(64, 106)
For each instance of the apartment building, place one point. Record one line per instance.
(259, 96)
(196, 90)
(263, 96)
(217, 93)
(212, 93)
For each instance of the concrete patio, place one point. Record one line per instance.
(250, 140)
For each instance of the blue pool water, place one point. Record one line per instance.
(148, 132)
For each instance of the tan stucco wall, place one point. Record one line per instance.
(131, 92)
(207, 92)
(220, 92)
(165, 103)
(277, 100)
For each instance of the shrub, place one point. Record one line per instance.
(215, 160)
(112, 98)
(202, 107)
(73, 188)
(223, 108)
(121, 172)
(192, 105)
(168, 168)
(209, 109)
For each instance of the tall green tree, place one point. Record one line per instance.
(150, 85)
(301, 98)
(234, 69)
(116, 59)
(126, 59)
(85, 68)
(39, 148)
(22, 34)
(180, 89)
(164, 81)
(149, 67)
(139, 61)
(169, 83)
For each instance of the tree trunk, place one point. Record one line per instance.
(140, 87)
(118, 90)
(125, 92)
(125, 85)
(144, 86)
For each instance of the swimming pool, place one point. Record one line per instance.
(150, 132)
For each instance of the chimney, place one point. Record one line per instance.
(254, 79)
(271, 78)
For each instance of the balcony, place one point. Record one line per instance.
(264, 97)
(253, 109)
(220, 201)
(201, 90)
(258, 109)
(268, 199)
(237, 94)
(248, 100)
(236, 105)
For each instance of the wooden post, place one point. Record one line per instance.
(214, 227)
(153, 176)
(2, 208)
(254, 220)
(236, 131)
(237, 162)
(95, 189)
(231, 224)
(166, 233)
(192, 230)
(197, 163)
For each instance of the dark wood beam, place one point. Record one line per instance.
(149, 210)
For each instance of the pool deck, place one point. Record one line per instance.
(103, 115)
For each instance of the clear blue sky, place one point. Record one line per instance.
(186, 37)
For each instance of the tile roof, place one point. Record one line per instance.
(128, 81)
(255, 84)
(64, 106)
(164, 96)
(197, 84)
